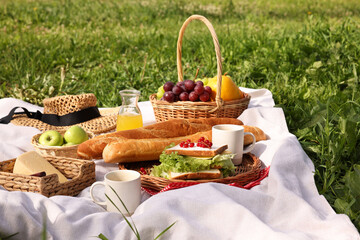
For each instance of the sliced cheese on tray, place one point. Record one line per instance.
(31, 162)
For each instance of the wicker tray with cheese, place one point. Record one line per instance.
(64, 176)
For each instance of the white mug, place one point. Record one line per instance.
(127, 185)
(233, 136)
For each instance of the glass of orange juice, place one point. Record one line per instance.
(129, 116)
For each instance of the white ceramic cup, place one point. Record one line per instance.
(233, 136)
(127, 185)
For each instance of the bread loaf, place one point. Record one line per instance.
(258, 133)
(125, 150)
(93, 148)
(136, 150)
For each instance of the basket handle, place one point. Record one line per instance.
(218, 99)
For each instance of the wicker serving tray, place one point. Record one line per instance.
(80, 172)
(186, 109)
(61, 151)
(245, 173)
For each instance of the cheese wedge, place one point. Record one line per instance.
(31, 162)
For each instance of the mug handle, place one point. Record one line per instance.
(92, 195)
(252, 145)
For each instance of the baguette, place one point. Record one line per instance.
(93, 148)
(136, 150)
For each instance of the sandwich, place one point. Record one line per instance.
(195, 162)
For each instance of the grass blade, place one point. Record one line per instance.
(166, 229)
(125, 208)
(43, 233)
(8, 237)
(133, 227)
(102, 236)
(127, 221)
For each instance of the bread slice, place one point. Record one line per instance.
(205, 174)
(197, 151)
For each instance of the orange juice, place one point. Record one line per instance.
(126, 121)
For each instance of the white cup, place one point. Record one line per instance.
(233, 136)
(127, 185)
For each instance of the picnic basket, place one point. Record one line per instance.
(62, 151)
(80, 172)
(245, 173)
(164, 110)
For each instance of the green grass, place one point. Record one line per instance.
(307, 53)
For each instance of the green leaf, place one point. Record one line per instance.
(317, 64)
(341, 205)
(353, 181)
(356, 205)
(348, 127)
(179, 163)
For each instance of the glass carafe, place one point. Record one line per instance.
(129, 116)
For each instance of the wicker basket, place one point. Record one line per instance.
(186, 109)
(80, 172)
(61, 151)
(246, 172)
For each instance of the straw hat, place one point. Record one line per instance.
(83, 105)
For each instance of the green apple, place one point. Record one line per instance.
(75, 135)
(51, 138)
(160, 92)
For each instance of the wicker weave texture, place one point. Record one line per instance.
(164, 111)
(186, 109)
(80, 172)
(62, 105)
(245, 173)
(98, 125)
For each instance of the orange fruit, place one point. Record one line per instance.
(229, 90)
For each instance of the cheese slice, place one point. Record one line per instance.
(31, 162)
(204, 174)
(197, 151)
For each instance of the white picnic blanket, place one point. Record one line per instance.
(286, 205)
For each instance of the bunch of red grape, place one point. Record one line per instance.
(187, 90)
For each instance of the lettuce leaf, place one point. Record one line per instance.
(178, 163)
(224, 160)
